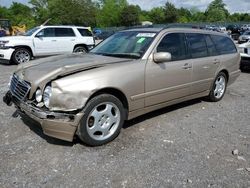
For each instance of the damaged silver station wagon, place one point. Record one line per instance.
(129, 74)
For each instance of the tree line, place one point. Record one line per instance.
(113, 13)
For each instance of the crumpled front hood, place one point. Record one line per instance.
(41, 71)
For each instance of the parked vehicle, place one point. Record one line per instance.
(46, 41)
(244, 37)
(129, 74)
(245, 27)
(245, 54)
(235, 31)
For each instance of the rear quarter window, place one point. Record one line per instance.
(64, 32)
(224, 45)
(85, 32)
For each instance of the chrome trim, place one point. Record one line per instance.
(19, 88)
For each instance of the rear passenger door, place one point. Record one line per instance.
(205, 61)
(65, 40)
(171, 80)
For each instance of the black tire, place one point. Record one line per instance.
(80, 49)
(16, 56)
(83, 128)
(212, 95)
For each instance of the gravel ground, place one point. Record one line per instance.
(185, 145)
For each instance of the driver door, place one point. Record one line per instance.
(45, 42)
(170, 80)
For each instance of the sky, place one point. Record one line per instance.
(232, 5)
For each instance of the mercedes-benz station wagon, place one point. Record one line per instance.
(131, 73)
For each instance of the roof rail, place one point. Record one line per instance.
(179, 25)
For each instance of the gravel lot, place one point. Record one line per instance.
(186, 145)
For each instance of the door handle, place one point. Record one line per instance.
(187, 66)
(72, 39)
(53, 40)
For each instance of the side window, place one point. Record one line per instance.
(210, 46)
(174, 43)
(85, 32)
(64, 32)
(47, 32)
(198, 47)
(223, 44)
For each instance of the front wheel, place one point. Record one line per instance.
(21, 55)
(102, 121)
(219, 88)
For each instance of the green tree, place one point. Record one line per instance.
(171, 13)
(216, 11)
(4, 12)
(74, 12)
(157, 15)
(40, 10)
(184, 15)
(109, 13)
(20, 14)
(144, 16)
(130, 15)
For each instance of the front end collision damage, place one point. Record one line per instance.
(56, 124)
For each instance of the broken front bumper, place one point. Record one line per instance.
(54, 124)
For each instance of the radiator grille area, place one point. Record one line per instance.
(19, 88)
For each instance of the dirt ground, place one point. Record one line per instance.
(185, 145)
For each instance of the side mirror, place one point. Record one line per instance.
(160, 57)
(40, 34)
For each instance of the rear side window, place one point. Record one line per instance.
(224, 45)
(85, 32)
(210, 46)
(174, 43)
(64, 32)
(198, 47)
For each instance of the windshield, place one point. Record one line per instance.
(127, 44)
(31, 31)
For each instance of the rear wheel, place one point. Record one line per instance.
(21, 55)
(102, 121)
(219, 88)
(80, 50)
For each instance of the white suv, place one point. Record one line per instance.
(45, 41)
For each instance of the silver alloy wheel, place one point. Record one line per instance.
(22, 56)
(220, 86)
(103, 121)
(80, 50)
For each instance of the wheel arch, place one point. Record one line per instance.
(26, 47)
(225, 72)
(115, 92)
(83, 45)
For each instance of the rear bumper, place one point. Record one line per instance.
(55, 124)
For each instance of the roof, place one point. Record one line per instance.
(67, 26)
(176, 29)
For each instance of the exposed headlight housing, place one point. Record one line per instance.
(46, 95)
(39, 95)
